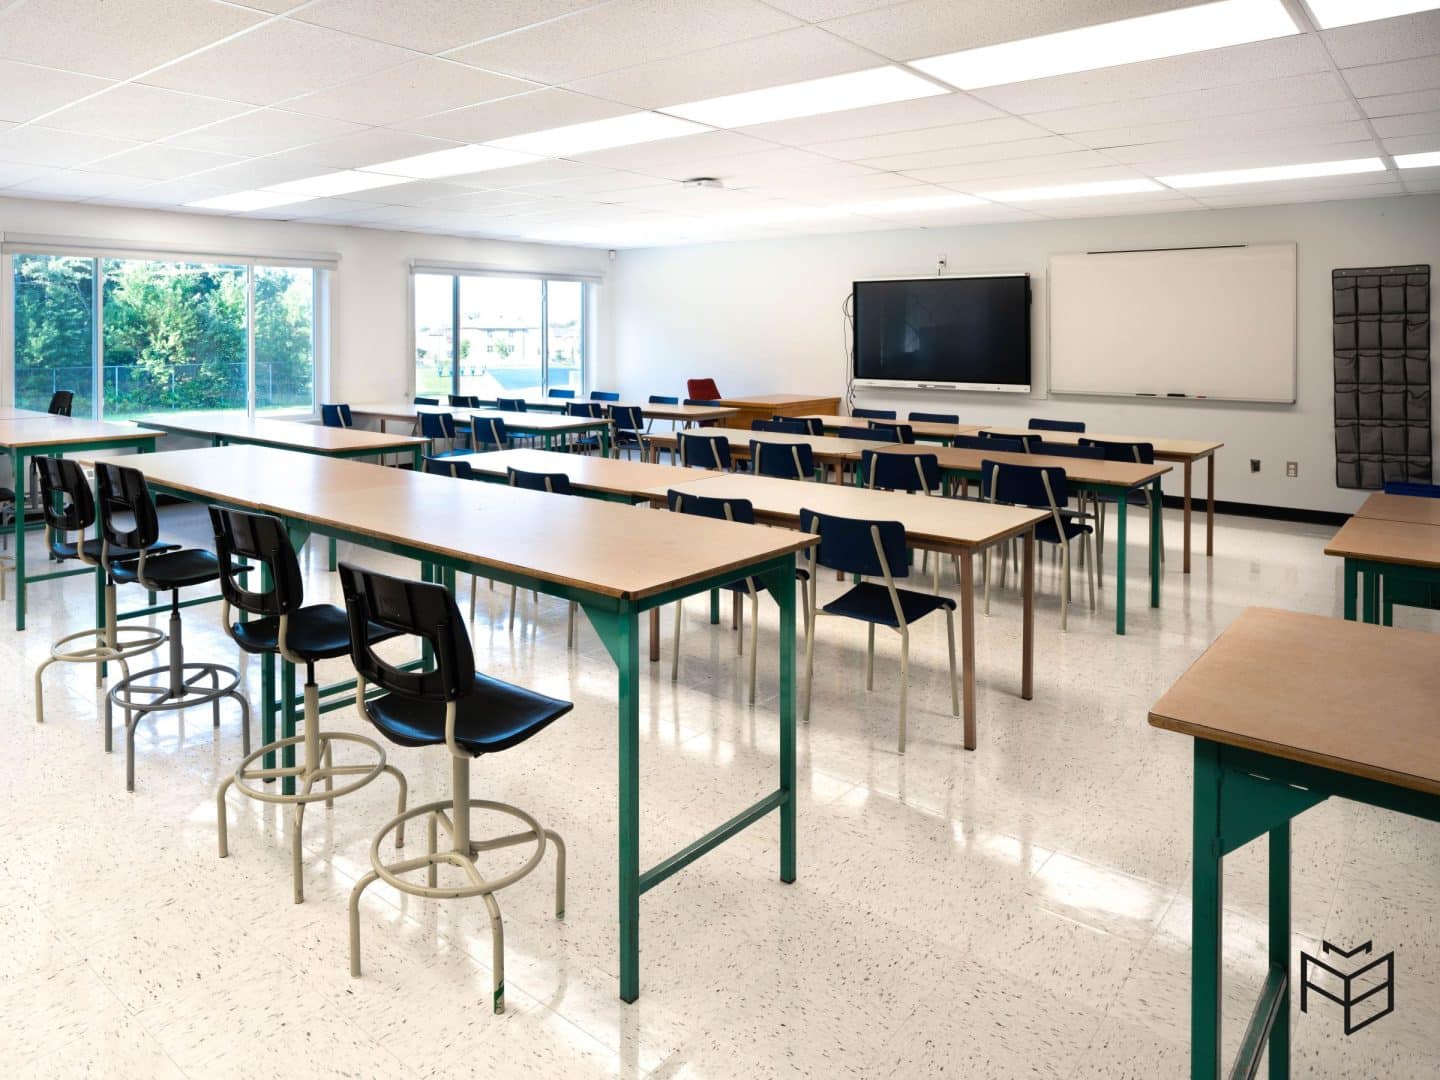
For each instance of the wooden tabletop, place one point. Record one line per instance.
(1416, 509)
(602, 548)
(924, 429)
(537, 422)
(1377, 540)
(1343, 695)
(1080, 470)
(30, 431)
(688, 413)
(825, 447)
(13, 412)
(1167, 449)
(935, 523)
(285, 434)
(766, 400)
(608, 476)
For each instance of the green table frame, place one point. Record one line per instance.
(1240, 795)
(1364, 579)
(20, 466)
(617, 621)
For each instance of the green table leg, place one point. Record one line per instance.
(1280, 947)
(1155, 496)
(714, 607)
(18, 468)
(288, 713)
(1120, 544)
(1372, 596)
(417, 459)
(605, 440)
(332, 555)
(1205, 916)
(627, 650)
(1350, 590)
(784, 593)
(267, 706)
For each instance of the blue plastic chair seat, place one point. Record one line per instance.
(870, 602)
(1047, 532)
(495, 716)
(317, 632)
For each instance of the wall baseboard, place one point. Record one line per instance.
(1257, 510)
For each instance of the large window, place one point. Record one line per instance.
(165, 335)
(494, 336)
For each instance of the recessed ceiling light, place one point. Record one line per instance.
(873, 86)
(628, 130)
(1072, 191)
(457, 161)
(336, 183)
(1419, 161)
(1332, 13)
(248, 200)
(912, 206)
(1128, 41)
(1274, 172)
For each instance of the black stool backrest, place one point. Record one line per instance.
(123, 494)
(61, 402)
(65, 496)
(415, 608)
(260, 537)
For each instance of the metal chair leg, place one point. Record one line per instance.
(904, 681)
(954, 682)
(870, 656)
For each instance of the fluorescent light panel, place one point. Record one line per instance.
(248, 200)
(628, 130)
(1128, 41)
(456, 161)
(336, 183)
(835, 93)
(1419, 161)
(1332, 13)
(1270, 173)
(1072, 191)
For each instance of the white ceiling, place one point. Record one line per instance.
(158, 103)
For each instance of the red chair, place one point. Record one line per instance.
(702, 389)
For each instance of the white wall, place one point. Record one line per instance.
(766, 316)
(371, 354)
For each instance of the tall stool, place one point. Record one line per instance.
(299, 634)
(69, 507)
(123, 495)
(452, 706)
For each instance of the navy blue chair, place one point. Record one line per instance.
(813, 424)
(1037, 424)
(336, 416)
(489, 433)
(554, 483)
(456, 707)
(604, 395)
(871, 549)
(464, 401)
(1027, 441)
(874, 414)
(784, 426)
(662, 399)
(556, 392)
(743, 512)
(935, 417)
(1139, 453)
(1043, 487)
(704, 451)
(427, 401)
(918, 473)
(862, 433)
(701, 401)
(451, 466)
(628, 432)
(784, 461)
(995, 444)
(904, 433)
(440, 427)
(510, 404)
(1070, 450)
(593, 410)
(1412, 488)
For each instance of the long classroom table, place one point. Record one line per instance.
(830, 452)
(650, 410)
(1117, 478)
(1381, 552)
(41, 434)
(546, 426)
(929, 430)
(234, 428)
(1286, 711)
(615, 561)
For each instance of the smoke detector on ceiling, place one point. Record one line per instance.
(704, 182)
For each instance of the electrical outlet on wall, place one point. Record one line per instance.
(1292, 468)
(1254, 464)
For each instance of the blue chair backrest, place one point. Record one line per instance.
(699, 401)
(510, 404)
(592, 409)
(1133, 452)
(873, 414)
(489, 431)
(785, 427)
(555, 392)
(555, 483)
(604, 395)
(427, 401)
(995, 443)
(900, 472)
(904, 433)
(813, 424)
(879, 433)
(449, 467)
(1027, 442)
(1037, 424)
(336, 416)
(708, 451)
(935, 417)
(786, 461)
(740, 510)
(627, 417)
(1024, 485)
(861, 433)
(1063, 449)
(464, 401)
(1412, 487)
(437, 425)
(850, 544)
(661, 399)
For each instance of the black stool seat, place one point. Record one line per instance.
(172, 570)
(317, 632)
(494, 717)
(64, 549)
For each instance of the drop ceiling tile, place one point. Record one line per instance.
(925, 140)
(1411, 124)
(250, 173)
(1320, 135)
(536, 111)
(602, 188)
(116, 40)
(1297, 55)
(786, 57)
(57, 149)
(1257, 155)
(1385, 40)
(775, 166)
(1032, 172)
(1229, 100)
(432, 26)
(160, 161)
(172, 193)
(366, 146)
(819, 10)
(688, 151)
(1219, 127)
(416, 89)
(315, 208)
(265, 131)
(844, 189)
(624, 33)
(1082, 208)
(1400, 104)
(27, 92)
(477, 202)
(279, 60)
(1270, 198)
(12, 173)
(1412, 144)
(929, 27)
(1397, 78)
(414, 194)
(1002, 151)
(524, 176)
(898, 116)
(75, 184)
(673, 198)
(133, 111)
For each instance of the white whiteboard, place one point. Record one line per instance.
(1213, 323)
